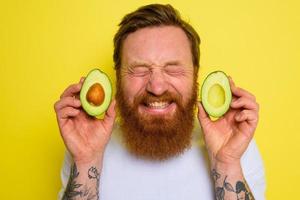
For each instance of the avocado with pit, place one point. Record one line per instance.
(96, 92)
(216, 94)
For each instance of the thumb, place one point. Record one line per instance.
(109, 117)
(202, 115)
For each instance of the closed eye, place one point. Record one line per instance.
(140, 71)
(174, 70)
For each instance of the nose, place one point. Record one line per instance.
(157, 83)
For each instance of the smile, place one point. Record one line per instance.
(158, 105)
(161, 107)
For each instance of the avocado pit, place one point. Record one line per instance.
(95, 95)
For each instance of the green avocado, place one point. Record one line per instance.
(96, 93)
(216, 94)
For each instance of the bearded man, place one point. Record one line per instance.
(157, 150)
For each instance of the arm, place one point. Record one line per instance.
(253, 172)
(226, 140)
(85, 138)
(230, 182)
(84, 181)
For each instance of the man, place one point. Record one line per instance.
(156, 151)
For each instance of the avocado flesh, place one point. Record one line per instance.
(96, 76)
(216, 94)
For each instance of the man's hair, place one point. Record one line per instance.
(150, 16)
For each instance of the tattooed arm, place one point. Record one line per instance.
(86, 138)
(83, 182)
(227, 139)
(230, 183)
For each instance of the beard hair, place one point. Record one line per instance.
(156, 137)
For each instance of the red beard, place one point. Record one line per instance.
(157, 137)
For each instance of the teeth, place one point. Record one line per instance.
(158, 105)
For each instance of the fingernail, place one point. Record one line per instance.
(81, 79)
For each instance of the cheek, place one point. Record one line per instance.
(183, 87)
(132, 87)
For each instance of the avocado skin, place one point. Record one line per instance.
(96, 76)
(228, 95)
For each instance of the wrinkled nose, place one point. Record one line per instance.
(157, 84)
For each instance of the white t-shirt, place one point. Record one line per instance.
(124, 177)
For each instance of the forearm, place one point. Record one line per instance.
(230, 183)
(84, 181)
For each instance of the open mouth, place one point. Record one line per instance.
(158, 107)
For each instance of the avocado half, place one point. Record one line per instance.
(216, 94)
(96, 92)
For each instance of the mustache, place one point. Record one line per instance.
(156, 137)
(147, 97)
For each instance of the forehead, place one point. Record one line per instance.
(157, 45)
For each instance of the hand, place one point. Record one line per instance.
(84, 136)
(228, 137)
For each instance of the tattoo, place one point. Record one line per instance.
(215, 174)
(76, 190)
(241, 189)
(93, 174)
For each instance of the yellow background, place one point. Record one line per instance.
(47, 45)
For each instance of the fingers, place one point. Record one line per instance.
(202, 115)
(248, 115)
(67, 113)
(247, 120)
(67, 101)
(82, 79)
(244, 102)
(110, 116)
(239, 91)
(242, 99)
(67, 107)
(73, 89)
